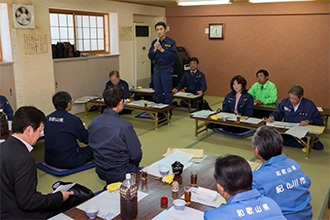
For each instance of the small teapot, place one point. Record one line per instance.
(177, 168)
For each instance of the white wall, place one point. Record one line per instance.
(34, 74)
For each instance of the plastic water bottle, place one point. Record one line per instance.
(128, 199)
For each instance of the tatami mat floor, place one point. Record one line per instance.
(180, 134)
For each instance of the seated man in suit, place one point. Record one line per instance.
(193, 80)
(19, 196)
(297, 109)
(117, 149)
(234, 183)
(116, 80)
(279, 177)
(4, 104)
(62, 130)
(263, 92)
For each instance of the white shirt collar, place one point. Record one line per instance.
(295, 107)
(28, 146)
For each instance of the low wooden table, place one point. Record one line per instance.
(189, 99)
(149, 206)
(201, 125)
(153, 112)
(271, 107)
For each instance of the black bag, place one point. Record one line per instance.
(81, 194)
(3, 124)
(204, 105)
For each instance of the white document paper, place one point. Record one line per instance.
(167, 161)
(252, 120)
(320, 109)
(141, 103)
(66, 187)
(202, 113)
(281, 124)
(298, 131)
(60, 216)
(108, 203)
(182, 94)
(206, 197)
(230, 116)
(187, 214)
(159, 105)
(146, 90)
(85, 99)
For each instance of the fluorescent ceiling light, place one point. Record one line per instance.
(272, 1)
(201, 2)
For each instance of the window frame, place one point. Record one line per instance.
(106, 30)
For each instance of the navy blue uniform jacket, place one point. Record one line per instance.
(244, 107)
(123, 83)
(193, 83)
(62, 130)
(167, 58)
(306, 111)
(19, 196)
(117, 149)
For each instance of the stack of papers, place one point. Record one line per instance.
(85, 99)
(298, 131)
(60, 216)
(252, 120)
(202, 114)
(281, 124)
(141, 103)
(187, 214)
(230, 116)
(147, 90)
(167, 161)
(108, 203)
(198, 153)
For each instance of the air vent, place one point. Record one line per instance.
(141, 31)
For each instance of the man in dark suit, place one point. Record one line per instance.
(19, 197)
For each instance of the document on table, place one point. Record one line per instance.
(159, 105)
(182, 94)
(147, 90)
(230, 116)
(281, 124)
(252, 120)
(108, 203)
(85, 99)
(60, 216)
(198, 153)
(298, 131)
(167, 161)
(141, 103)
(187, 214)
(202, 113)
(206, 197)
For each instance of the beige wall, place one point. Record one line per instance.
(290, 40)
(34, 74)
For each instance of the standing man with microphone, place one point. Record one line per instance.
(162, 54)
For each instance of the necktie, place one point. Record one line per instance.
(262, 87)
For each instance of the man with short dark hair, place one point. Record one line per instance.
(62, 130)
(117, 149)
(279, 177)
(19, 196)
(263, 91)
(297, 109)
(193, 80)
(162, 54)
(234, 182)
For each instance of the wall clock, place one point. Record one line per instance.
(216, 31)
